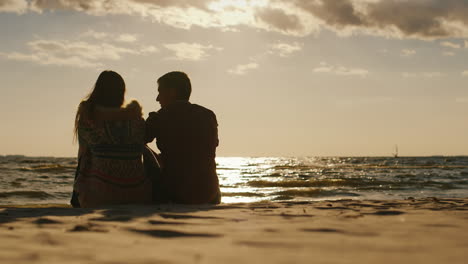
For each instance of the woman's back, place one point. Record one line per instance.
(111, 169)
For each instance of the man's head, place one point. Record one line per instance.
(173, 86)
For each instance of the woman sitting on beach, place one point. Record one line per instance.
(111, 141)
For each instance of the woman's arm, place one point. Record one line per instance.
(82, 150)
(131, 111)
(82, 142)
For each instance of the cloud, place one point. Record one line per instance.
(407, 52)
(433, 74)
(94, 34)
(177, 13)
(92, 7)
(189, 51)
(127, 38)
(149, 49)
(421, 19)
(337, 13)
(50, 59)
(340, 70)
(74, 53)
(449, 44)
(242, 69)
(448, 53)
(280, 49)
(285, 49)
(276, 19)
(14, 6)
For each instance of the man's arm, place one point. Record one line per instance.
(214, 127)
(216, 130)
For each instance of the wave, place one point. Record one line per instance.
(300, 192)
(244, 194)
(31, 161)
(26, 194)
(311, 193)
(360, 183)
(370, 166)
(307, 183)
(54, 168)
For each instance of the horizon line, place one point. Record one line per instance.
(285, 156)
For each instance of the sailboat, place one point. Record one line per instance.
(395, 154)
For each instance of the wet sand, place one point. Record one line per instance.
(349, 231)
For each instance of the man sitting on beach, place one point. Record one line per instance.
(187, 136)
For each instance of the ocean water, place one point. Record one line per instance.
(40, 180)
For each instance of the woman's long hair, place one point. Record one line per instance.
(109, 91)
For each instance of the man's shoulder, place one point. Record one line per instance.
(183, 108)
(203, 109)
(175, 110)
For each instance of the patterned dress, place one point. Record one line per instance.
(111, 169)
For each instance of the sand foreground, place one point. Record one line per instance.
(349, 231)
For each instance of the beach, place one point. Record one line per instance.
(428, 230)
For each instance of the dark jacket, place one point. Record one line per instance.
(187, 136)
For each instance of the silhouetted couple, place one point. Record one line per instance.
(116, 167)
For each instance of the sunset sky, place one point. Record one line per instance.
(285, 77)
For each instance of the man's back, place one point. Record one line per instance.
(187, 137)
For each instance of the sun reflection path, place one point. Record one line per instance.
(235, 173)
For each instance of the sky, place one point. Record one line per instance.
(284, 77)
